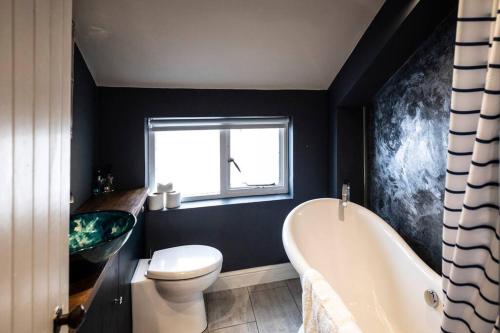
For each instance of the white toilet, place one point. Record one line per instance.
(167, 291)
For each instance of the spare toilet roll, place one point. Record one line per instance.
(168, 187)
(173, 199)
(156, 201)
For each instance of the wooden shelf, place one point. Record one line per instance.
(129, 201)
(83, 290)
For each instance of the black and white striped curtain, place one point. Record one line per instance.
(471, 216)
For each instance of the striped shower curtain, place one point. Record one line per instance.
(471, 215)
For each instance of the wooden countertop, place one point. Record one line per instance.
(129, 201)
(83, 290)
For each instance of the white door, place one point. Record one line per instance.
(35, 102)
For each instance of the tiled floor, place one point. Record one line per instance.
(265, 308)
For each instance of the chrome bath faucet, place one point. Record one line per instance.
(346, 194)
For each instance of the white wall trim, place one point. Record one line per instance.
(253, 276)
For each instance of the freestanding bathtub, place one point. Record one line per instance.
(379, 278)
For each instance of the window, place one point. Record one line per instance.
(211, 158)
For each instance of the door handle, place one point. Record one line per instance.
(74, 319)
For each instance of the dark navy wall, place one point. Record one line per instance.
(83, 130)
(249, 234)
(396, 32)
(400, 29)
(408, 138)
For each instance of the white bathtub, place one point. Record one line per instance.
(377, 275)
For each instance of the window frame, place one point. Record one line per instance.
(224, 124)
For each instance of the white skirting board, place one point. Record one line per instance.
(253, 276)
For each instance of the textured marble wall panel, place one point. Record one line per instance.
(408, 138)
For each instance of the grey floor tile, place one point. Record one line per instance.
(243, 328)
(276, 311)
(296, 290)
(265, 286)
(228, 308)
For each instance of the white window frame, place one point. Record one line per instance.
(224, 125)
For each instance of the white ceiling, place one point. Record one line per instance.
(232, 44)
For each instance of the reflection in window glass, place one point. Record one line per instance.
(257, 154)
(189, 159)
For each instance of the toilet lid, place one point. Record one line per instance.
(184, 262)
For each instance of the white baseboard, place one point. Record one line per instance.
(253, 276)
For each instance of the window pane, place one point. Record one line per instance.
(257, 153)
(189, 159)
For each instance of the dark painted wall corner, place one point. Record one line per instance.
(396, 32)
(408, 139)
(83, 131)
(400, 71)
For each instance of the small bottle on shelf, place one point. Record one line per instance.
(98, 184)
(109, 186)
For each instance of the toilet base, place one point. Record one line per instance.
(152, 313)
(182, 317)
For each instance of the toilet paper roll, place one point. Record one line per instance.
(156, 201)
(168, 187)
(173, 199)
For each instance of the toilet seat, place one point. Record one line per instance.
(184, 262)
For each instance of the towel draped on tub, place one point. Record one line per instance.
(322, 309)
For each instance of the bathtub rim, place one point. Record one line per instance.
(301, 265)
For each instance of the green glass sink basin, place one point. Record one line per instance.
(95, 236)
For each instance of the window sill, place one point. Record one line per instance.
(226, 201)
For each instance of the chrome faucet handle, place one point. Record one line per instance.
(346, 194)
